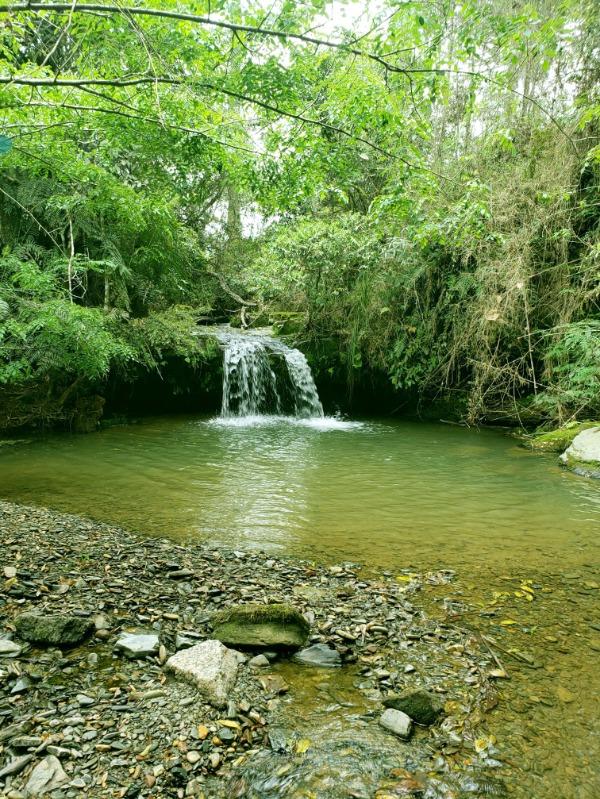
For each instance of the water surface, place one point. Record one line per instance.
(386, 493)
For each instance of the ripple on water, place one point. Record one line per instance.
(320, 423)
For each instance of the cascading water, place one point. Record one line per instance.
(306, 397)
(249, 382)
(260, 372)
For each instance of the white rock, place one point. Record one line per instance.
(9, 649)
(397, 722)
(47, 776)
(137, 645)
(210, 666)
(585, 447)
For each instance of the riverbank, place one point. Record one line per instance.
(124, 727)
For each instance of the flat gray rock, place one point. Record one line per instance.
(397, 722)
(210, 666)
(47, 776)
(319, 655)
(137, 645)
(8, 649)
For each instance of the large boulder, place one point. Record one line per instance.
(583, 456)
(420, 705)
(53, 629)
(261, 626)
(210, 666)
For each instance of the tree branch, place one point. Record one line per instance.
(117, 82)
(95, 8)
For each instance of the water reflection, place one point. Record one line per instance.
(392, 493)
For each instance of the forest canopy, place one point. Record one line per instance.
(409, 190)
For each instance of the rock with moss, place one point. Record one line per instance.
(557, 440)
(583, 455)
(261, 626)
(53, 629)
(420, 705)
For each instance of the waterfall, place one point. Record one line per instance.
(262, 375)
(306, 397)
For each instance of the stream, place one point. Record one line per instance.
(520, 534)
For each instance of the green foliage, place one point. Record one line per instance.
(573, 371)
(433, 219)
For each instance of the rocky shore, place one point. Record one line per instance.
(114, 683)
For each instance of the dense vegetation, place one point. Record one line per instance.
(411, 193)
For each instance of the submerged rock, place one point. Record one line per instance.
(583, 456)
(138, 645)
(53, 630)
(210, 666)
(419, 704)
(397, 722)
(265, 626)
(47, 776)
(319, 655)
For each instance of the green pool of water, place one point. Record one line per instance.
(385, 493)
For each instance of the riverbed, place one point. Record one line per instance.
(400, 498)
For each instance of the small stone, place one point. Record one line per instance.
(226, 735)
(258, 662)
(397, 722)
(15, 766)
(9, 572)
(84, 700)
(180, 574)
(137, 645)
(25, 741)
(202, 731)
(319, 655)
(194, 788)
(8, 649)
(274, 684)
(419, 704)
(193, 756)
(22, 684)
(215, 760)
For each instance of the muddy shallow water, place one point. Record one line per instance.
(522, 534)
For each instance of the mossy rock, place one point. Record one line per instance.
(53, 629)
(583, 455)
(420, 705)
(557, 440)
(261, 627)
